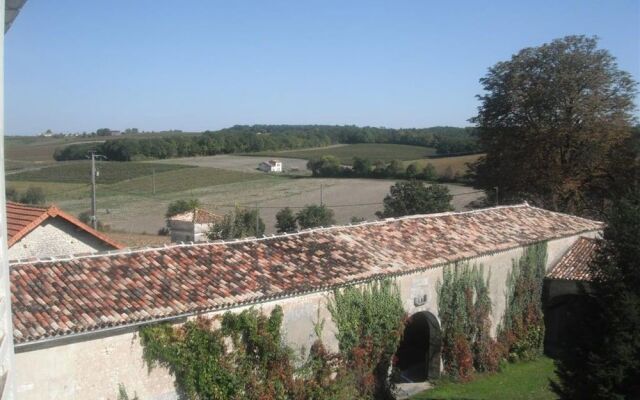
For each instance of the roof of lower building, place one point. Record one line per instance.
(574, 265)
(197, 216)
(53, 298)
(23, 218)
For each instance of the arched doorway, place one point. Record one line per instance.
(562, 316)
(418, 355)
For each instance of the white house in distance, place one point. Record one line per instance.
(192, 226)
(270, 166)
(40, 232)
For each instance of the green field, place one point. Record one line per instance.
(346, 153)
(526, 380)
(80, 172)
(185, 179)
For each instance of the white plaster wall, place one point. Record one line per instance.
(92, 369)
(55, 237)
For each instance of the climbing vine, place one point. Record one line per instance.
(244, 356)
(521, 331)
(464, 308)
(370, 322)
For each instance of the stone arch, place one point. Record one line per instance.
(418, 357)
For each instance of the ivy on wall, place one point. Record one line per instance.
(246, 358)
(370, 322)
(521, 331)
(464, 308)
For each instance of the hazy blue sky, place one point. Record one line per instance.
(195, 65)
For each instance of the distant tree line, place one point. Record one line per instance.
(255, 138)
(329, 166)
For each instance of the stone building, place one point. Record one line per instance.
(192, 226)
(66, 328)
(41, 232)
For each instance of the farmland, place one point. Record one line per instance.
(346, 153)
(458, 164)
(80, 172)
(127, 202)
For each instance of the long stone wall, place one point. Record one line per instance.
(91, 367)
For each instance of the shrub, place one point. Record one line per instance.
(370, 322)
(521, 331)
(33, 195)
(238, 224)
(314, 216)
(464, 308)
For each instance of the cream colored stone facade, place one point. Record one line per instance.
(92, 367)
(55, 237)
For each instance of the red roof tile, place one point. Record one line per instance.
(59, 297)
(23, 218)
(574, 265)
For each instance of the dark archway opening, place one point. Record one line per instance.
(562, 320)
(418, 355)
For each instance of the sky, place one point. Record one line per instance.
(73, 66)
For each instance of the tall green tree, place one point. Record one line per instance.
(180, 206)
(240, 223)
(286, 221)
(314, 216)
(361, 166)
(605, 362)
(552, 120)
(414, 197)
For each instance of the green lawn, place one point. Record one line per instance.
(526, 380)
(346, 153)
(80, 172)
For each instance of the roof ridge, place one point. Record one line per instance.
(143, 249)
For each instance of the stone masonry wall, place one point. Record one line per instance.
(93, 368)
(53, 238)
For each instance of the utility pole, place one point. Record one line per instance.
(257, 219)
(321, 195)
(153, 180)
(94, 218)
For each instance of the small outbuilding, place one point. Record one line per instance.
(192, 226)
(271, 166)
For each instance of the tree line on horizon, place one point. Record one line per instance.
(256, 138)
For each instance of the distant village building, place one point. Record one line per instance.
(270, 166)
(114, 133)
(39, 232)
(192, 226)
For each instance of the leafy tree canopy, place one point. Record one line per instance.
(180, 206)
(554, 121)
(238, 224)
(414, 197)
(314, 216)
(286, 221)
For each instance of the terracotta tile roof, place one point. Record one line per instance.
(574, 265)
(197, 216)
(23, 218)
(58, 297)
